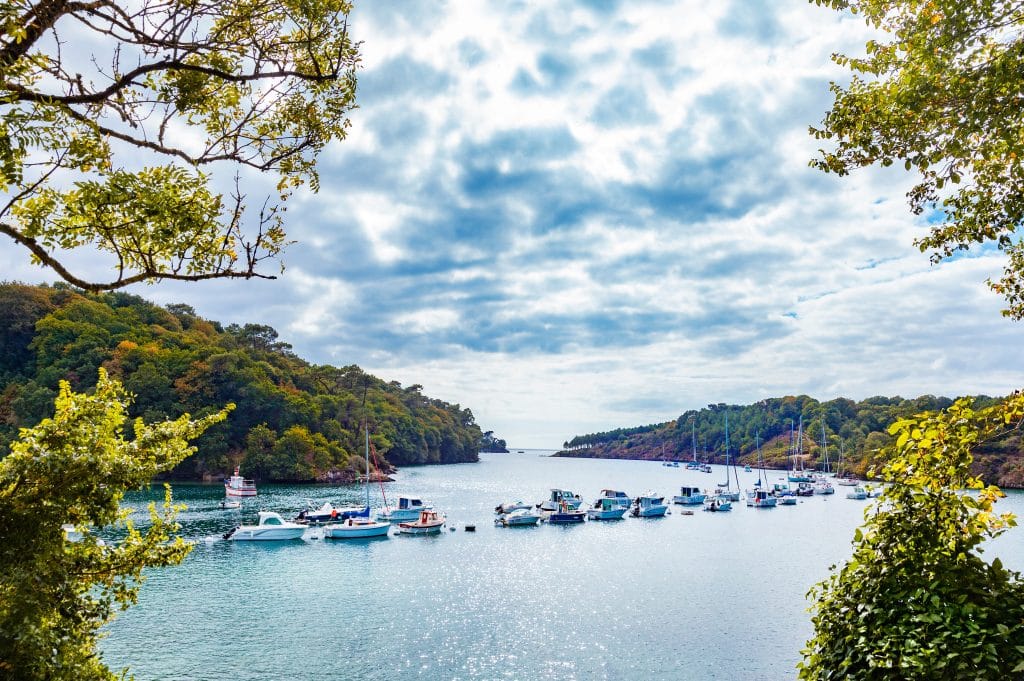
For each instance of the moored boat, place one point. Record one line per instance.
(566, 515)
(607, 508)
(357, 528)
(649, 506)
(237, 486)
(557, 497)
(760, 498)
(329, 513)
(429, 522)
(717, 503)
(408, 508)
(270, 527)
(356, 521)
(521, 517)
(618, 498)
(858, 493)
(509, 506)
(689, 496)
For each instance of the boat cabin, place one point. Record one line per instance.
(409, 503)
(270, 518)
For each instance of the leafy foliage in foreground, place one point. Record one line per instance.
(916, 600)
(75, 468)
(939, 92)
(294, 421)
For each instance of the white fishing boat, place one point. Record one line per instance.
(822, 486)
(237, 486)
(271, 527)
(408, 508)
(717, 503)
(607, 508)
(520, 517)
(858, 493)
(429, 522)
(689, 496)
(230, 503)
(760, 498)
(558, 497)
(358, 525)
(509, 506)
(618, 498)
(649, 506)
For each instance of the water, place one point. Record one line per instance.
(707, 596)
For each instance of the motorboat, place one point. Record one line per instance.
(520, 517)
(356, 528)
(787, 500)
(510, 506)
(428, 522)
(689, 496)
(237, 486)
(230, 503)
(607, 508)
(717, 503)
(620, 499)
(566, 515)
(858, 493)
(271, 527)
(705, 468)
(327, 513)
(847, 482)
(761, 498)
(649, 506)
(782, 490)
(408, 508)
(804, 489)
(823, 486)
(559, 497)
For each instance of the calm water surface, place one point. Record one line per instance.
(707, 596)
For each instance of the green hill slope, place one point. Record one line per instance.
(294, 421)
(857, 428)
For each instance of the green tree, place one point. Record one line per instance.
(73, 469)
(940, 91)
(916, 600)
(126, 153)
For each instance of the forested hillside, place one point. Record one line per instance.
(294, 421)
(857, 429)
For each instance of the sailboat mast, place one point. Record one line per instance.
(366, 434)
(693, 439)
(727, 485)
(824, 448)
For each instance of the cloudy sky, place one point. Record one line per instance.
(572, 216)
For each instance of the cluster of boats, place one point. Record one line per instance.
(410, 516)
(562, 507)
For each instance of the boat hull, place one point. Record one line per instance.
(653, 512)
(567, 518)
(416, 528)
(357, 531)
(239, 492)
(522, 521)
(255, 533)
(399, 515)
(610, 514)
(689, 501)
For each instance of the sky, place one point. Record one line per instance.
(574, 216)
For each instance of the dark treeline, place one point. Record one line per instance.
(858, 429)
(294, 421)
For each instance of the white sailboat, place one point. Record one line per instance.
(363, 526)
(725, 490)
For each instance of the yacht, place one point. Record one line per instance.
(271, 527)
(237, 486)
(620, 499)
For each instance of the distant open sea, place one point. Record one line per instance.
(704, 596)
